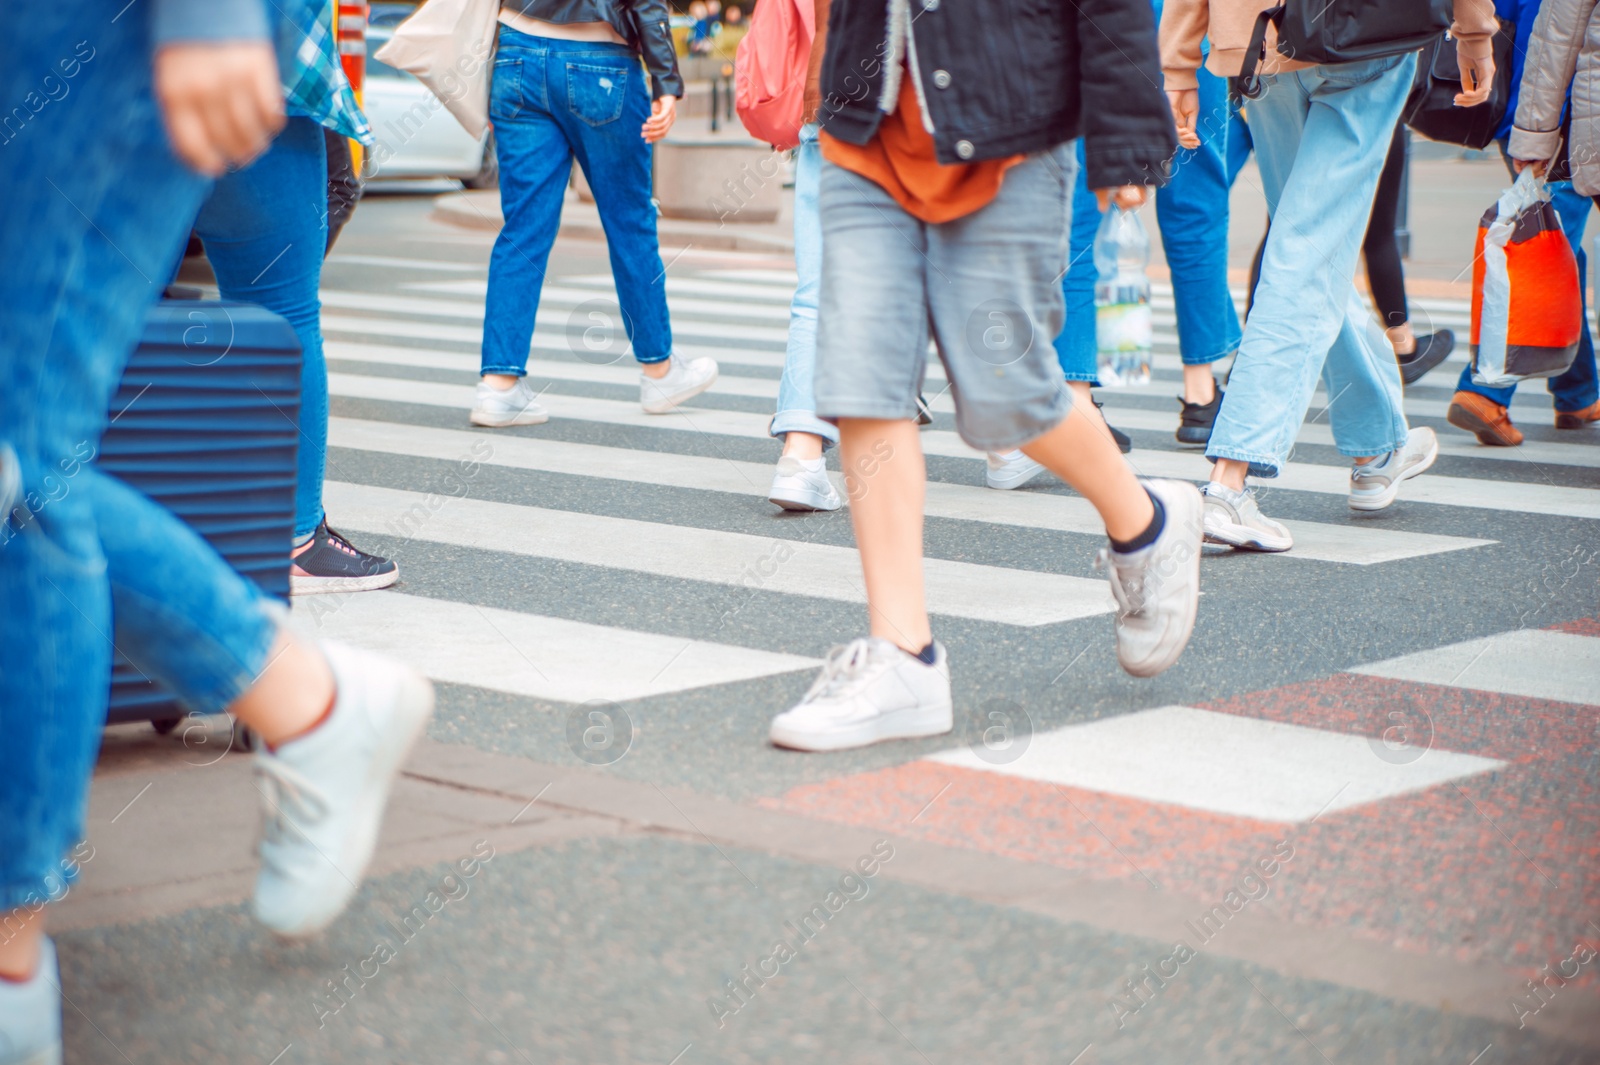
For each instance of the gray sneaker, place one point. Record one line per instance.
(1233, 519)
(1157, 588)
(1374, 485)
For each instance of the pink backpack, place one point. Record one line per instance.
(769, 70)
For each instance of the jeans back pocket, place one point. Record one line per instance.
(596, 90)
(505, 89)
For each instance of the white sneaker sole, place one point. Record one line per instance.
(1381, 500)
(912, 723)
(490, 420)
(309, 585)
(1007, 482)
(413, 708)
(666, 404)
(1243, 537)
(801, 500)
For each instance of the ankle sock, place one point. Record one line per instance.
(928, 655)
(1148, 537)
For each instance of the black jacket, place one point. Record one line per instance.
(1001, 77)
(643, 23)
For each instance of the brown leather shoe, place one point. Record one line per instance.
(1578, 419)
(1484, 418)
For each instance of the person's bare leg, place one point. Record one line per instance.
(1199, 385)
(887, 482)
(1230, 473)
(803, 446)
(21, 933)
(502, 381)
(1081, 452)
(291, 696)
(1402, 339)
(656, 369)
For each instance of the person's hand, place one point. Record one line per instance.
(222, 102)
(662, 113)
(1539, 166)
(1477, 78)
(1127, 197)
(1185, 114)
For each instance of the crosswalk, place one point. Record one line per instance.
(403, 362)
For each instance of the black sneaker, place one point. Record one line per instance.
(1432, 349)
(1124, 441)
(330, 563)
(1196, 419)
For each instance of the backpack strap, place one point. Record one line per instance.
(1248, 83)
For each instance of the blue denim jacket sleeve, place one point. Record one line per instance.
(210, 20)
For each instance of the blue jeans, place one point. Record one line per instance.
(97, 210)
(1320, 135)
(1577, 388)
(1192, 212)
(797, 405)
(265, 228)
(552, 101)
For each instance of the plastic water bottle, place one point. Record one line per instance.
(1122, 299)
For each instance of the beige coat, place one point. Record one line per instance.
(1229, 23)
(1563, 51)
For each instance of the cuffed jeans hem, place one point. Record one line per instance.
(1012, 441)
(504, 371)
(876, 412)
(1205, 360)
(35, 893)
(650, 360)
(1259, 467)
(803, 421)
(1364, 453)
(1088, 379)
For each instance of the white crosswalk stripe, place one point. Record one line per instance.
(399, 347)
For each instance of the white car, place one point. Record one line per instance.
(417, 137)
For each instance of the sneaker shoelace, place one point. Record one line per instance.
(845, 668)
(1127, 582)
(338, 540)
(291, 800)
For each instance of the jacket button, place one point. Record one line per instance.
(964, 149)
(941, 79)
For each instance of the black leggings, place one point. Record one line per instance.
(1380, 248)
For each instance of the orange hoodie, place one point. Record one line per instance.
(1229, 24)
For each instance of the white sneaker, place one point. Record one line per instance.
(1010, 469)
(30, 1015)
(803, 484)
(325, 792)
(1157, 588)
(1373, 486)
(1233, 518)
(496, 408)
(869, 690)
(684, 380)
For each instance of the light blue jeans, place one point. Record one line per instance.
(97, 211)
(1320, 135)
(1192, 213)
(797, 406)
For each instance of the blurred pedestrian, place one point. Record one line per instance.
(1551, 48)
(568, 85)
(801, 480)
(100, 205)
(1320, 134)
(266, 229)
(944, 215)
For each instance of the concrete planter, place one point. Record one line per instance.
(720, 178)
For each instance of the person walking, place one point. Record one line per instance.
(1550, 49)
(100, 204)
(1320, 134)
(265, 229)
(945, 213)
(568, 85)
(801, 481)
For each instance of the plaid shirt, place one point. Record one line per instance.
(314, 84)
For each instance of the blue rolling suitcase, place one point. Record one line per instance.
(206, 424)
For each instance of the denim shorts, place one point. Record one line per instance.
(985, 288)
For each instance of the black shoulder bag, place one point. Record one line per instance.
(1431, 109)
(1342, 31)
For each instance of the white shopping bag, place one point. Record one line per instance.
(449, 46)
